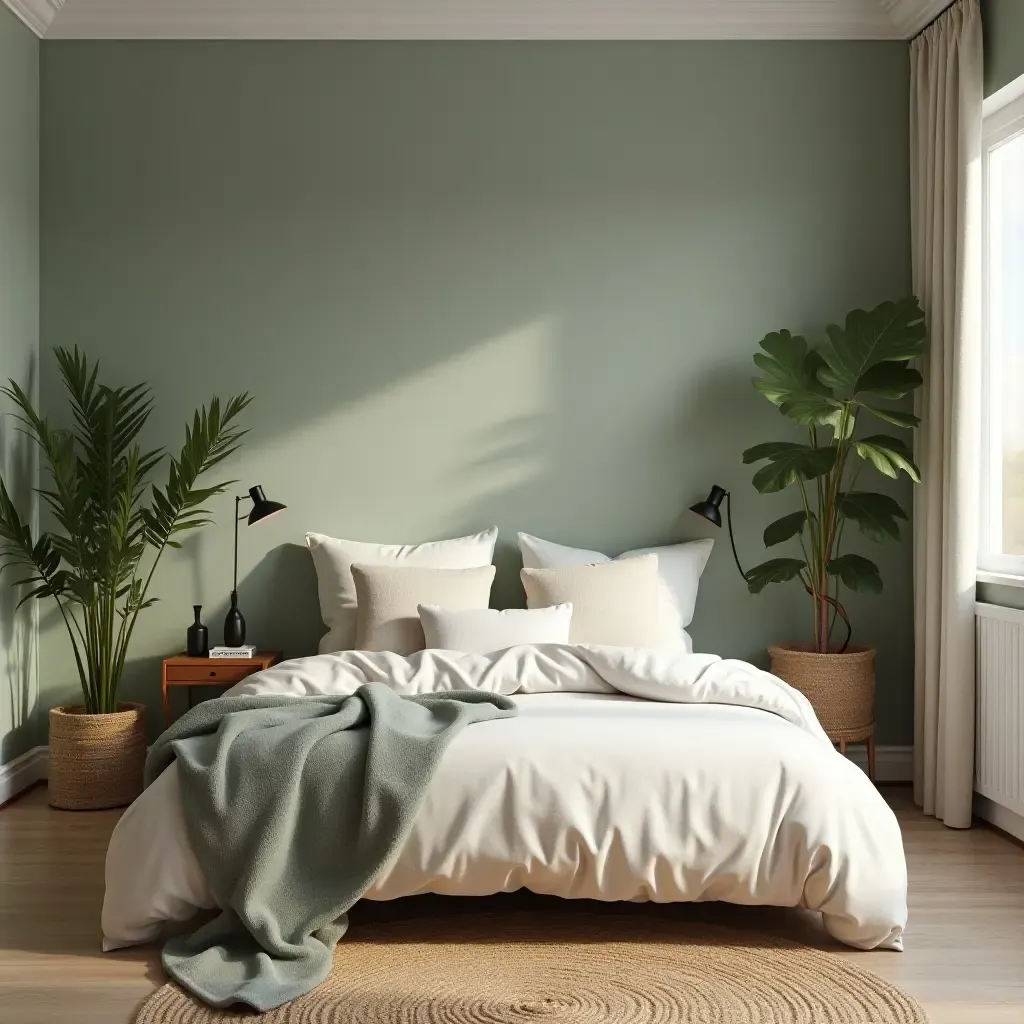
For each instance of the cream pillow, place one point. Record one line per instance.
(483, 630)
(389, 596)
(613, 603)
(679, 566)
(333, 558)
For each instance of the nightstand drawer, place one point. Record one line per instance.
(206, 673)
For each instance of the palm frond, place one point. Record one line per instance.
(109, 515)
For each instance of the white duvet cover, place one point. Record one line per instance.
(673, 777)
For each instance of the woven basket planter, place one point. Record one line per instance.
(840, 687)
(96, 761)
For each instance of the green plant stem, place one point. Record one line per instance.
(813, 532)
(832, 521)
(74, 643)
(818, 573)
(123, 652)
(837, 546)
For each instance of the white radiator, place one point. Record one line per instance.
(999, 741)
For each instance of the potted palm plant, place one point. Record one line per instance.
(828, 389)
(111, 526)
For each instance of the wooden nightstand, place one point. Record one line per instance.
(188, 672)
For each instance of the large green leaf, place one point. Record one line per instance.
(790, 379)
(888, 380)
(801, 462)
(810, 410)
(895, 416)
(877, 515)
(784, 529)
(775, 570)
(178, 507)
(770, 450)
(889, 455)
(891, 332)
(858, 573)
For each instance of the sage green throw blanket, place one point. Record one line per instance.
(293, 807)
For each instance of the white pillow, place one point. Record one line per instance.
(614, 603)
(333, 559)
(483, 630)
(390, 595)
(679, 566)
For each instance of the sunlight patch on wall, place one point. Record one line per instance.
(427, 457)
(419, 454)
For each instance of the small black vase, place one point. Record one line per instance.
(198, 637)
(234, 624)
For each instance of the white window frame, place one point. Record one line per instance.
(1003, 123)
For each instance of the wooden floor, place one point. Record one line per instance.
(964, 959)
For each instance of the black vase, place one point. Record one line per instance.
(198, 637)
(234, 624)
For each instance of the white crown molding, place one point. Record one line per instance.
(38, 15)
(477, 19)
(472, 19)
(910, 16)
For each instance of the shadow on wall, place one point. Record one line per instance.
(18, 627)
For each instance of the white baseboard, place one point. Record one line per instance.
(1002, 817)
(16, 776)
(892, 764)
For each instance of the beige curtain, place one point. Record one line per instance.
(945, 173)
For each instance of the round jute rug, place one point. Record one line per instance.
(571, 969)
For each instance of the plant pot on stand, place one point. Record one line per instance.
(828, 390)
(96, 761)
(840, 688)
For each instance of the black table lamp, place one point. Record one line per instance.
(234, 624)
(711, 510)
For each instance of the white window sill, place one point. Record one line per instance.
(1002, 579)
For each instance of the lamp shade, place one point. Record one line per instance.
(711, 509)
(262, 506)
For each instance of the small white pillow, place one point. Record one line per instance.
(483, 630)
(679, 566)
(614, 603)
(333, 559)
(389, 597)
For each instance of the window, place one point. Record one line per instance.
(1002, 505)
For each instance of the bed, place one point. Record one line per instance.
(627, 775)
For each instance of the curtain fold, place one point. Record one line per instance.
(946, 93)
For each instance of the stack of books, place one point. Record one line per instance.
(244, 652)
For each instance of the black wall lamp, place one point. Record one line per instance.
(711, 510)
(262, 507)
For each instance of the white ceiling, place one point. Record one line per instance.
(477, 19)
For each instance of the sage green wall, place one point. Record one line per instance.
(1004, 42)
(19, 352)
(472, 284)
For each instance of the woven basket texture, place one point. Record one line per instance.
(96, 761)
(840, 687)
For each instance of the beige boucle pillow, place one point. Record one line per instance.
(388, 599)
(613, 603)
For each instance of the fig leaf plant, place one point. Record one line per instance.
(831, 389)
